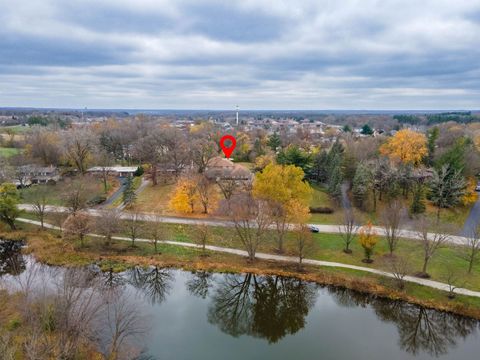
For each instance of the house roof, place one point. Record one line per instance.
(117, 169)
(225, 169)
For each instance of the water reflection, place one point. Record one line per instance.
(154, 282)
(267, 307)
(11, 259)
(200, 283)
(420, 329)
(84, 304)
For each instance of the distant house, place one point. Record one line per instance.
(120, 171)
(34, 174)
(219, 168)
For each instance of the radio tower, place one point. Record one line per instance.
(237, 114)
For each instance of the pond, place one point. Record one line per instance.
(204, 315)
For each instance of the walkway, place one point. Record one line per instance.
(472, 220)
(332, 229)
(264, 256)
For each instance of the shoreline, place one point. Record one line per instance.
(51, 251)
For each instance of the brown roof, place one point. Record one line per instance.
(225, 169)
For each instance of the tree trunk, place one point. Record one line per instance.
(153, 174)
(425, 263)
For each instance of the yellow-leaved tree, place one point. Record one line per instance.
(368, 239)
(406, 146)
(184, 196)
(470, 194)
(279, 185)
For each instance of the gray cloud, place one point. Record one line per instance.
(303, 54)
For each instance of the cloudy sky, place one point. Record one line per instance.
(259, 54)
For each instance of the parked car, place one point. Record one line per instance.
(477, 188)
(313, 228)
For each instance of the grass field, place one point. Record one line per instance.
(55, 193)
(329, 247)
(8, 152)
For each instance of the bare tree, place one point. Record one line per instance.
(39, 205)
(152, 149)
(392, 218)
(104, 160)
(178, 150)
(44, 145)
(123, 324)
(107, 224)
(251, 218)
(157, 231)
(399, 266)
(76, 195)
(452, 278)
(348, 230)
(203, 149)
(133, 226)
(206, 192)
(431, 242)
(58, 218)
(227, 187)
(78, 225)
(303, 243)
(78, 145)
(201, 235)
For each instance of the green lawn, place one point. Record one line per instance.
(8, 152)
(329, 247)
(55, 193)
(17, 129)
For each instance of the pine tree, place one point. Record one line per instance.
(362, 184)
(447, 188)
(129, 195)
(274, 141)
(418, 203)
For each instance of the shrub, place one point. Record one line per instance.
(321, 210)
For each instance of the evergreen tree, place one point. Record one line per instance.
(362, 184)
(129, 195)
(418, 202)
(274, 141)
(432, 136)
(367, 130)
(293, 155)
(447, 188)
(318, 172)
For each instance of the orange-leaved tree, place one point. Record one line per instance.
(406, 146)
(368, 239)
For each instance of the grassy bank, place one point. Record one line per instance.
(328, 247)
(51, 249)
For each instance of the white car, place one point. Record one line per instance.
(477, 188)
(313, 228)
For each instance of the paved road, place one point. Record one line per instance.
(264, 256)
(472, 220)
(116, 194)
(332, 229)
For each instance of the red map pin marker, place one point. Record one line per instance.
(228, 150)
